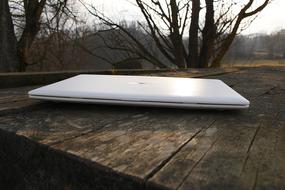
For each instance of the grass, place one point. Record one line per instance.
(254, 63)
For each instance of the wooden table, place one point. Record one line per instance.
(48, 145)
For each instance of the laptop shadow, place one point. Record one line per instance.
(137, 109)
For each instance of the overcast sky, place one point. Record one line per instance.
(272, 18)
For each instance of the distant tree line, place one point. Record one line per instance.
(258, 46)
(90, 47)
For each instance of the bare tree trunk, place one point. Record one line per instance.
(175, 36)
(33, 11)
(208, 35)
(8, 53)
(23, 47)
(193, 45)
(223, 50)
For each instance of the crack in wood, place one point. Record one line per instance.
(194, 166)
(267, 92)
(76, 136)
(249, 148)
(163, 163)
(70, 138)
(253, 138)
(255, 180)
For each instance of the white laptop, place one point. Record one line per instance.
(143, 91)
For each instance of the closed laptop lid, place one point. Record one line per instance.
(144, 88)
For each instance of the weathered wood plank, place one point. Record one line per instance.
(15, 100)
(222, 142)
(264, 166)
(218, 162)
(221, 166)
(12, 98)
(57, 121)
(138, 147)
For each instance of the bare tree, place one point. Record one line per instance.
(174, 16)
(8, 46)
(235, 23)
(129, 42)
(166, 22)
(27, 17)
